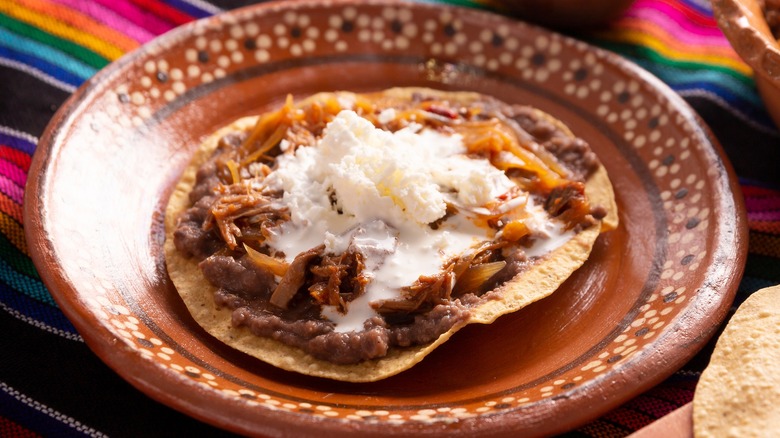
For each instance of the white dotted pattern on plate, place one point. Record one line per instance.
(623, 105)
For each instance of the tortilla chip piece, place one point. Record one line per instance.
(738, 393)
(533, 284)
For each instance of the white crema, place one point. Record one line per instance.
(376, 192)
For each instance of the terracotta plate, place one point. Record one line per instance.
(651, 295)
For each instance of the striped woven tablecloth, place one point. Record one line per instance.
(50, 382)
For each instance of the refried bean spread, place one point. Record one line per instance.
(351, 224)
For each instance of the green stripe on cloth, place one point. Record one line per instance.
(76, 51)
(31, 287)
(648, 54)
(15, 259)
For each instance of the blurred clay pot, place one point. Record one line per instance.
(743, 23)
(565, 14)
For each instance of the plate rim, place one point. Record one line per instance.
(42, 252)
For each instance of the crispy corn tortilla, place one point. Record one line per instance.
(539, 281)
(737, 394)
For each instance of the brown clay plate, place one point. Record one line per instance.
(652, 293)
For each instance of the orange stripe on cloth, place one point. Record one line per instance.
(14, 232)
(48, 23)
(674, 43)
(81, 21)
(8, 206)
(765, 226)
(642, 33)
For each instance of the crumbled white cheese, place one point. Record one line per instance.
(386, 116)
(404, 176)
(358, 176)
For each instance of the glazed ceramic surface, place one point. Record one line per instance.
(651, 295)
(743, 23)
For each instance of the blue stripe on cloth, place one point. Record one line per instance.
(34, 312)
(763, 184)
(36, 73)
(704, 7)
(709, 79)
(8, 138)
(32, 415)
(188, 8)
(42, 65)
(19, 43)
(31, 287)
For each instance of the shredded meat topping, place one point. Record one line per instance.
(234, 213)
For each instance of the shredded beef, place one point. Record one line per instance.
(224, 215)
(294, 278)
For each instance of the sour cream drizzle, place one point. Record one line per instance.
(376, 191)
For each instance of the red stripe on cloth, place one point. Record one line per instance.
(603, 429)
(629, 419)
(670, 7)
(15, 156)
(164, 11)
(665, 399)
(136, 15)
(755, 191)
(12, 429)
(764, 226)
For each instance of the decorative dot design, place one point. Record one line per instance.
(648, 123)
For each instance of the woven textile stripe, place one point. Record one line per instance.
(22, 142)
(105, 37)
(67, 48)
(10, 428)
(36, 50)
(64, 26)
(112, 20)
(680, 43)
(9, 206)
(62, 43)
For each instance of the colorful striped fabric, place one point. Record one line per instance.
(52, 385)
